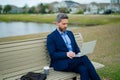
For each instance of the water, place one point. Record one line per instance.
(22, 28)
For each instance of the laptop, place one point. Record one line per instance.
(87, 48)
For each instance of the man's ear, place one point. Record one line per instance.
(57, 23)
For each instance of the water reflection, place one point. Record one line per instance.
(23, 28)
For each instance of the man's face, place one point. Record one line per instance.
(62, 25)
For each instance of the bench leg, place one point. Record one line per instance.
(75, 78)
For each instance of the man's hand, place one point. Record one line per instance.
(70, 54)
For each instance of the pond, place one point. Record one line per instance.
(22, 28)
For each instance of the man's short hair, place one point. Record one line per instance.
(61, 16)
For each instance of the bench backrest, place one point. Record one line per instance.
(22, 56)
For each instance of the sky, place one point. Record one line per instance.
(21, 3)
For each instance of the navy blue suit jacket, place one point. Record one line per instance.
(57, 49)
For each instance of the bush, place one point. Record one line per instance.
(80, 12)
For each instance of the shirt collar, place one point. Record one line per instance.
(65, 32)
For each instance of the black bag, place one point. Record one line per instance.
(34, 76)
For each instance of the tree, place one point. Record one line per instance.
(7, 8)
(32, 10)
(25, 9)
(63, 10)
(0, 9)
(41, 8)
(80, 12)
(44, 8)
(47, 9)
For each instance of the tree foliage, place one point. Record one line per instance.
(32, 10)
(0, 8)
(25, 8)
(63, 10)
(7, 8)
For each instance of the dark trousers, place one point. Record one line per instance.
(84, 67)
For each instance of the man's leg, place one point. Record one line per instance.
(76, 65)
(91, 70)
(82, 70)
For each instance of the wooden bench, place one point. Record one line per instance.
(21, 56)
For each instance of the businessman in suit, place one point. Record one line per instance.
(62, 48)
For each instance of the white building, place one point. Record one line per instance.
(92, 8)
(115, 1)
(115, 5)
(57, 5)
(97, 8)
(72, 6)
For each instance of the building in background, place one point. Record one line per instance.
(15, 10)
(69, 6)
(115, 5)
(115, 1)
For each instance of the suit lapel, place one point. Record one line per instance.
(59, 37)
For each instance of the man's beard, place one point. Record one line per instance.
(62, 29)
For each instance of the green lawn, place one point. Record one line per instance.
(74, 19)
(106, 31)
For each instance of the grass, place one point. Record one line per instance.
(107, 48)
(84, 20)
(94, 19)
(106, 31)
(27, 18)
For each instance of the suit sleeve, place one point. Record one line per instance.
(54, 54)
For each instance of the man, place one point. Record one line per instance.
(62, 48)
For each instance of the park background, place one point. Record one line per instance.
(94, 23)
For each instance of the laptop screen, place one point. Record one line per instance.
(88, 47)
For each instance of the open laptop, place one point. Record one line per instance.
(87, 48)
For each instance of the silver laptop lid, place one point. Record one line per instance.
(88, 47)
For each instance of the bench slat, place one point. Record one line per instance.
(97, 65)
(15, 55)
(12, 48)
(20, 42)
(17, 63)
(20, 54)
(25, 52)
(19, 73)
(20, 68)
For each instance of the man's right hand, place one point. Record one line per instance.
(70, 54)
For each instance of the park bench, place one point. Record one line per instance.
(22, 56)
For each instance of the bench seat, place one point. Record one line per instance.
(57, 75)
